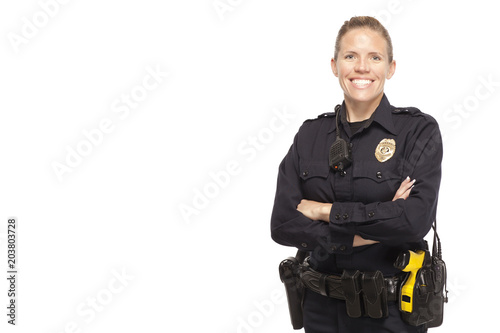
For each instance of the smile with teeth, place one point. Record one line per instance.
(361, 83)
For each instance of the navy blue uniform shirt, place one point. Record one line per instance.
(362, 197)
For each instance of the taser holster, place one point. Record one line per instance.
(289, 270)
(428, 291)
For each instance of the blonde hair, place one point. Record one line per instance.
(369, 22)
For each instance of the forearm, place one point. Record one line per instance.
(321, 211)
(396, 222)
(314, 210)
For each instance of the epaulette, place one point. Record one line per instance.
(323, 115)
(327, 115)
(408, 110)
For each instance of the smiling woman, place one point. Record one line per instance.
(354, 221)
(362, 62)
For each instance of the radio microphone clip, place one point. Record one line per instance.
(340, 151)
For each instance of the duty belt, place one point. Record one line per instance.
(365, 293)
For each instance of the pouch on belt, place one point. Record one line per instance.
(375, 295)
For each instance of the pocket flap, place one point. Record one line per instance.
(377, 171)
(310, 169)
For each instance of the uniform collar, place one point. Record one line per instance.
(382, 115)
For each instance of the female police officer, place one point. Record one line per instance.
(381, 202)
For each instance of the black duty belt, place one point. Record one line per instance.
(365, 293)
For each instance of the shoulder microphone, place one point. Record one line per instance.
(340, 152)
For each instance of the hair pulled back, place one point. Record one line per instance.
(367, 22)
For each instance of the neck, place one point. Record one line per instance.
(361, 110)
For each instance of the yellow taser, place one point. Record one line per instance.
(410, 261)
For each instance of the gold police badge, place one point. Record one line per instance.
(385, 149)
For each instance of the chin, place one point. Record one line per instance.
(364, 97)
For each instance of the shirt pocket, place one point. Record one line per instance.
(315, 180)
(375, 181)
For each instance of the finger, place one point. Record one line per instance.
(301, 205)
(406, 194)
(406, 184)
(402, 192)
(303, 202)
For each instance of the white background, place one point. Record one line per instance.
(230, 71)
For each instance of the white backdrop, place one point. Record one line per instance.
(140, 143)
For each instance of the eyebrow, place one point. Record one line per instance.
(374, 52)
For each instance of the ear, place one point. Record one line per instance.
(334, 67)
(392, 70)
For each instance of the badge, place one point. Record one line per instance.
(385, 149)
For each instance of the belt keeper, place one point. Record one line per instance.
(351, 285)
(375, 294)
(322, 285)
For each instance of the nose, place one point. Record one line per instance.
(362, 65)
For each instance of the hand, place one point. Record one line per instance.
(315, 210)
(404, 189)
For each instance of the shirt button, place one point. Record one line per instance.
(342, 248)
(345, 217)
(303, 244)
(371, 214)
(305, 173)
(379, 175)
(333, 248)
(337, 216)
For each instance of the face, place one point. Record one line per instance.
(362, 66)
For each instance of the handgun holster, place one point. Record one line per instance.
(289, 270)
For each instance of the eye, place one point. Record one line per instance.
(349, 57)
(376, 58)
